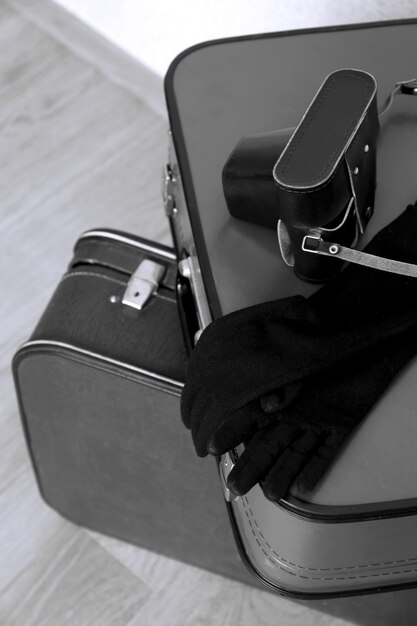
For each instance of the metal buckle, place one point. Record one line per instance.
(311, 243)
(226, 465)
(143, 283)
(315, 244)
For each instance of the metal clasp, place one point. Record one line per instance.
(226, 465)
(168, 190)
(311, 242)
(143, 283)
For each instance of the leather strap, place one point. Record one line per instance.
(317, 245)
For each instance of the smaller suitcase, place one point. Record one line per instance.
(99, 384)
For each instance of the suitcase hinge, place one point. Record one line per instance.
(168, 190)
(143, 283)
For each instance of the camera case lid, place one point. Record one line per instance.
(331, 156)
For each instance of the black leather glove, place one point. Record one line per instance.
(325, 361)
(299, 443)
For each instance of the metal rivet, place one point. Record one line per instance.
(356, 171)
(334, 249)
(366, 148)
(114, 299)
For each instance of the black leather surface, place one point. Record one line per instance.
(248, 185)
(110, 454)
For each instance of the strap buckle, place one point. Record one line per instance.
(226, 465)
(315, 244)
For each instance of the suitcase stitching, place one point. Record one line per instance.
(248, 507)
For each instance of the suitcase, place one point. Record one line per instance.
(356, 533)
(99, 383)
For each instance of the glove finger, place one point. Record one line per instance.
(318, 465)
(289, 465)
(260, 454)
(237, 428)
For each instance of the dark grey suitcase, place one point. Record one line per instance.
(99, 384)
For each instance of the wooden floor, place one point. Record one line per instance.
(83, 138)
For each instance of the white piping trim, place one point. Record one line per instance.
(285, 186)
(132, 242)
(100, 357)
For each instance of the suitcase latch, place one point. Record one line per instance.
(168, 191)
(226, 464)
(143, 283)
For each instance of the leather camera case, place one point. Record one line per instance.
(321, 175)
(326, 175)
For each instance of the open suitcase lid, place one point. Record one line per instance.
(218, 92)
